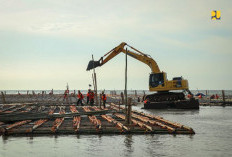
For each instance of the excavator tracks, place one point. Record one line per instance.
(165, 96)
(170, 100)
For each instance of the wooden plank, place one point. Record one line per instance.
(40, 122)
(58, 121)
(93, 119)
(119, 125)
(36, 116)
(76, 119)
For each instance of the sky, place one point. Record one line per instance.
(46, 44)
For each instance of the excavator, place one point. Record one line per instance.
(158, 81)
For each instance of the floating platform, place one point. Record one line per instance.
(39, 118)
(181, 104)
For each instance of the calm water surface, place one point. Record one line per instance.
(213, 127)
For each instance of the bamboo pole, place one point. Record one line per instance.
(3, 98)
(144, 95)
(95, 83)
(122, 96)
(95, 77)
(223, 97)
(100, 100)
(126, 85)
(129, 111)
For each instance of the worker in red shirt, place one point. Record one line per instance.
(88, 95)
(212, 96)
(66, 92)
(80, 98)
(103, 99)
(91, 98)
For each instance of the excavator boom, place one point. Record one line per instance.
(136, 55)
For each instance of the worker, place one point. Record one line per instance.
(88, 94)
(80, 98)
(200, 96)
(212, 96)
(104, 99)
(216, 96)
(66, 94)
(67, 91)
(91, 98)
(143, 98)
(146, 101)
(190, 96)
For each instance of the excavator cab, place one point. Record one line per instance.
(156, 79)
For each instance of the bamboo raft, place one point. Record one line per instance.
(35, 118)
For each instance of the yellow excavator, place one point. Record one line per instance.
(157, 81)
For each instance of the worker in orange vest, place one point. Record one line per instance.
(91, 98)
(189, 96)
(88, 95)
(103, 99)
(80, 98)
(146, 101)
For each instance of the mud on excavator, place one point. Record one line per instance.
(158, 81)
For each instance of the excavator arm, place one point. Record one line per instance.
(136, 55)
(157, 80)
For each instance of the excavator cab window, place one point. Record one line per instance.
(156, 79)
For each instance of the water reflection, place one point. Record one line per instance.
(172, 111)
(5, 139)
(30, 139)
(78, 136)
(56, 138)
(152, 144)
(166, 111)
(128, 141)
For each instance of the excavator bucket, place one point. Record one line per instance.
(93, 64)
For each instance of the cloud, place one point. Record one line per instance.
(175, 34)
(214, 44)
(82, 18)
